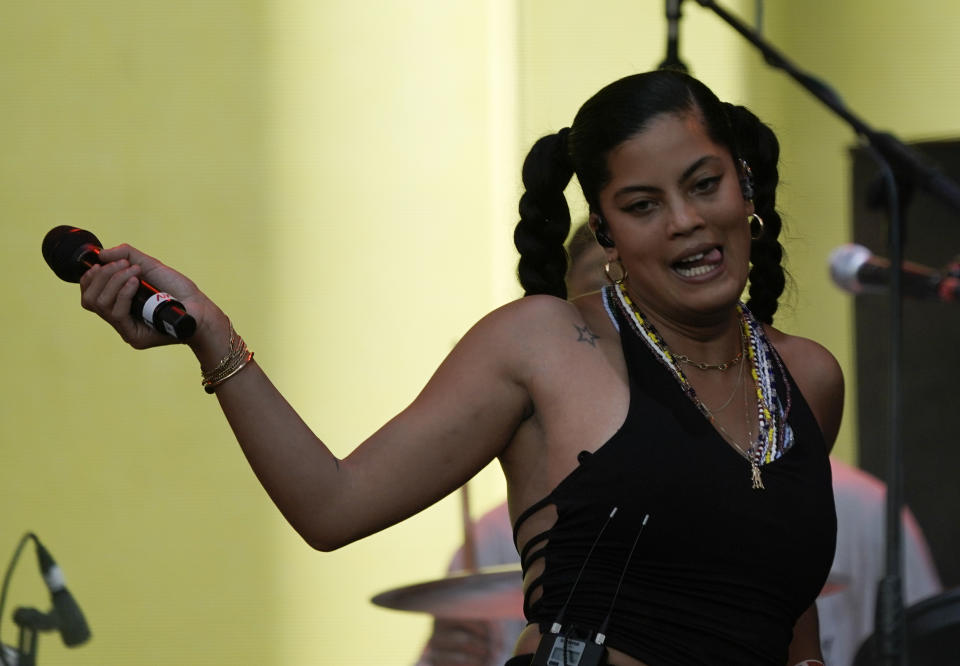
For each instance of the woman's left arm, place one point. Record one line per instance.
(805, 646)
(820, 379)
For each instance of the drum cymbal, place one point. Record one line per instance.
(488, 593)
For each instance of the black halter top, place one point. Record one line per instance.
(721, 571)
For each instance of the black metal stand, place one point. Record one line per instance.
(890, 625)
(672, 61)
(65, 616)
(27, 647)
(31, 622)
(898, 163)
(903, 160)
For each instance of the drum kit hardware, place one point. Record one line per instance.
(488, 593)
(484, 594)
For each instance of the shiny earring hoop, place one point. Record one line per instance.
(756, 226)
(623, 272)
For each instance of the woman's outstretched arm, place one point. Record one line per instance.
(461, 420)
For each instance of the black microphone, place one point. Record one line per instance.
(70, 252)
(73, 627)
(857, 270)
(672, 61)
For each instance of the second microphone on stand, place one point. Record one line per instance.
(857, 270)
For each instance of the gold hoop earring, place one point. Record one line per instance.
(755, 222)
(623, 272)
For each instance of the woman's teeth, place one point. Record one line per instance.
(692, 267)
(695, 271)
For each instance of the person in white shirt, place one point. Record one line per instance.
(847, 615)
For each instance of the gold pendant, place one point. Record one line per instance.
(755, 476)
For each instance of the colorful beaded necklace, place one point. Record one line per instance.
(774, 436)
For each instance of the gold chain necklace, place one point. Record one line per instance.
(723, 366)
(736, 387)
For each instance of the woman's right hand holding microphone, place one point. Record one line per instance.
(108, 289)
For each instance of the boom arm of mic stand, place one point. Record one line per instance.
(902, 157)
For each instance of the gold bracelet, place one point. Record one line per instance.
(226, 357)
(236, 358)
(228, 361)
(236, 362)
(211, 385)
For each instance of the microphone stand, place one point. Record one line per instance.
(894, 156)
(902, 158)
(31, 621)
(890, 628)
(672, 60)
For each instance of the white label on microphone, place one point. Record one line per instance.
(54, 578)
(152, 304)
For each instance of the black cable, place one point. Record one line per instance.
(601, 637)
(545, 648)
(602, 632)
(563, 609)
(569, 630)
(6, 585)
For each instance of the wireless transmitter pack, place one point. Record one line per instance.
(557, 650)
(575, 647)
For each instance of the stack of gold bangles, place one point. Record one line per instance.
(232, 363)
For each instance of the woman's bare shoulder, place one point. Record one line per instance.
(541, 319)
(533, 309)
(805, 357)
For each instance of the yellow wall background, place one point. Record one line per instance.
(342, 178)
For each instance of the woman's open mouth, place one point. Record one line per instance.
(699, 264)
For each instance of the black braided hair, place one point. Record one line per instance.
(758, 145)
(544, 217)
